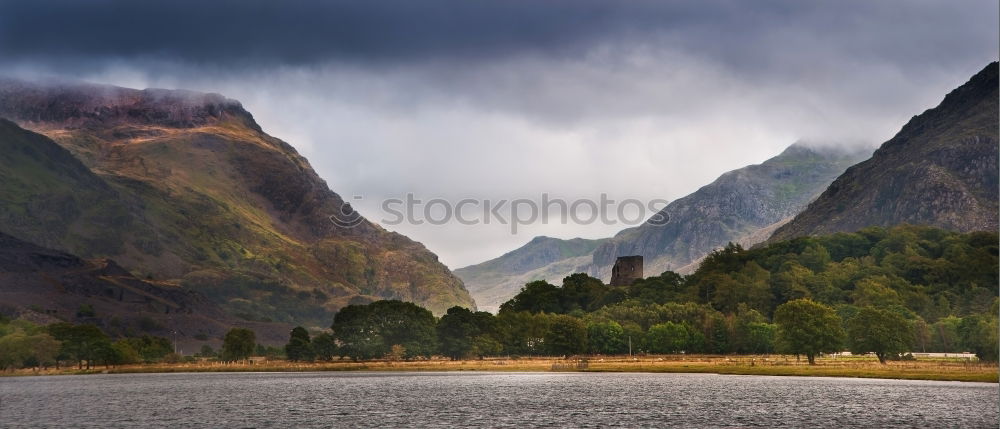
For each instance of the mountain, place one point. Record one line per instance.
(50, 196)
(186, 188)
(45, 286)
(744, 205)
(939, 170)
(494, 282)
(736, 207)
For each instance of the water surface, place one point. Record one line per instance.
(479, 399)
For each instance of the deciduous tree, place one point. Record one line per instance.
(878, 331)
(566, 335)
(370, 331)
(808, 328)
(299, 347)
(238, 344)
(324, 346)
(606, 338)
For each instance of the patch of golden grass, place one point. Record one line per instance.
(855, 367)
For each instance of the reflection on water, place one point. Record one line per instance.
(488, 399)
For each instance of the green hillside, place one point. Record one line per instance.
(185, 187)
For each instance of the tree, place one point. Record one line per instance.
(921, 334)
(150, 348)
(809, 328)
(324, 346)
(82, 343)
(979, 334)
(726, 292)
(756, 288)
(19, 350)
(270, 352)
(486, 345)
(535, 297)
(873, 292)
(369, 331)
(760, 337)
(523, 332)
(455, 332)
(815, 257)
(751, 332)
(635, 337)
(396, 352)
(715, 334)
(667, 287)
(790, 283)
(43, 350)
(299, 347)
(354, 333)
(606, 338)
(945, 335)
(462, 333)
(581, 292)
(124, 353)
(566, 335)
(878, 331)
(405, 324)
(206, 351)
(12, 351)
(238, 344)
(669, 337)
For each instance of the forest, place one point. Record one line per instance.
(883, 291)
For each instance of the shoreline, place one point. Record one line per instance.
(773, 365)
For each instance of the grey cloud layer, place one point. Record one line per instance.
(747, 35)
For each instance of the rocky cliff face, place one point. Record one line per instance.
(186, 187)
(939, 170)
(733, 208)
(543, 258)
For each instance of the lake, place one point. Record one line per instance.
(477, 399)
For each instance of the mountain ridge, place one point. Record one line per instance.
(730, 208)
(210, 200)
(939, 170)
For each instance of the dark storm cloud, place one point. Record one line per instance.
(239, 33)
(310, 31)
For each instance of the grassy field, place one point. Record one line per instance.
(866, 367)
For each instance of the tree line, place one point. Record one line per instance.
(802, 327)
(881, 291)
(26, 345)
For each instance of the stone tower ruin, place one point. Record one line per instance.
(627, 269)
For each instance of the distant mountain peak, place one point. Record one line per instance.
(940, 170)
(76, 104)
(732, 208)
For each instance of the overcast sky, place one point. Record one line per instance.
(511, 98)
